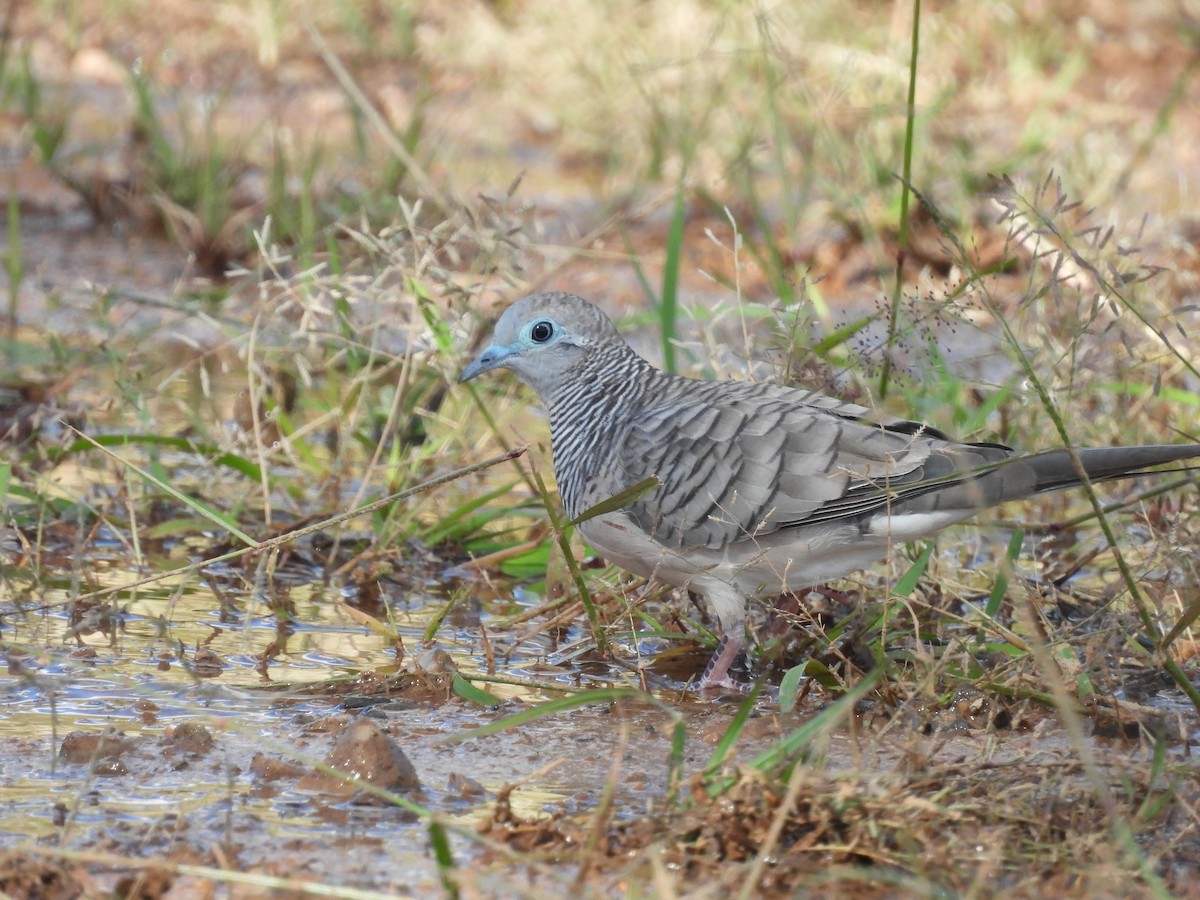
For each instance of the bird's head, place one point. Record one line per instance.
(544, 338)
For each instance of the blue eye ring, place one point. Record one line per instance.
(541, 332)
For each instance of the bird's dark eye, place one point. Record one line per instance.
(541, 332)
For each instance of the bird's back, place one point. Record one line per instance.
(739, 461)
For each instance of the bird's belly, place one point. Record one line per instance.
(786, 560)
(620, 541)
(754, 567)
(799, 559)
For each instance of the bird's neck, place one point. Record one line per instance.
(588, 411)
(603, 384)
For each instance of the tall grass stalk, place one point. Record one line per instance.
(905, 182)
(1141, 605)
(562, 534)
(14, 262)
(668, 301)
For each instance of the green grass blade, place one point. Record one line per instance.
(1190, 613)
(668, 302)
(839, 336)
(996, 597)
(786, 749)
(229, 460)
(453, 525)
(563, 536)
(675, 762)
(469, 692)
(14, 261)
(445, 859)
(908, 581)
(729, 737)
(618, 501)
(789, 687)
(783, 754)
(192, 503)
(639, 270)
(910, 117)
(435, 623)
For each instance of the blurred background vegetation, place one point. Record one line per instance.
(248, 246)
(294, 187)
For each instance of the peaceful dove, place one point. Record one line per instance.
(764, 489)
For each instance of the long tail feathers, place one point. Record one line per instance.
(1055, 470)
(1019, 477)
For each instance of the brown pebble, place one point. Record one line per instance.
(364, 751)
(436, 662)
(328, 724)
(192, 737)
(265, 768)
(84, 747)
(207, 664)
(464, 787)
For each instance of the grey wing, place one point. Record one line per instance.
(744, 465)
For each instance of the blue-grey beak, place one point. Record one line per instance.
(492, 358)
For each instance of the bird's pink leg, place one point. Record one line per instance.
(716, 673)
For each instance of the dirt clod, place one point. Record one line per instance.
(367, 755)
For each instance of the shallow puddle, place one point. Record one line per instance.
(159, 729)
(136, 677)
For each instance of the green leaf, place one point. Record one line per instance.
(908, 581)
(468, 691)
(729, 738)
(618, 501)
(789, 686)
(821, 674)
(996, 597)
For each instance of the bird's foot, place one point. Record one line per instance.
(726, 686)
(716, 675)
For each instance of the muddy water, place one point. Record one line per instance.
(168, 657)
